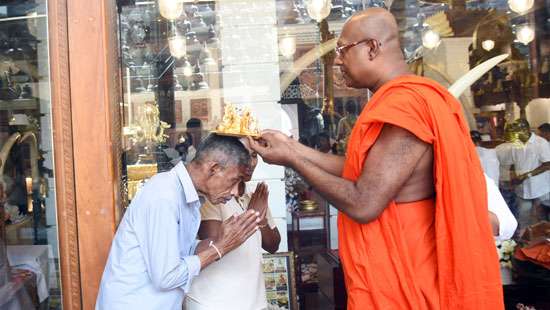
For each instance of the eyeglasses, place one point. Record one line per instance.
(340, 50)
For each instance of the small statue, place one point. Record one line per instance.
(238, 123)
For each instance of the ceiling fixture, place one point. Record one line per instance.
(520, 6)
(318, 9)
(287, 46)
(187, 68)
(170, 9)
(177, 45)
(525, 34)
(488, 45)
(431, 39)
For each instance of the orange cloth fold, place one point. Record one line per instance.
(436, 254)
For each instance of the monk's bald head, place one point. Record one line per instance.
(374, 23)
(369, 53)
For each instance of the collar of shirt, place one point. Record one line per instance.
(191, 194)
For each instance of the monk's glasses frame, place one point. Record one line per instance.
(340, 50)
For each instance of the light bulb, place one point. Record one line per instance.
(187, 69)
(520, 6)
(178, 46)
(318, 9)
(287, 46)
(525, 34)
(488, 45)
(170, 9)
(431, 39)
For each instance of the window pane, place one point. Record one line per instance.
(29, 268)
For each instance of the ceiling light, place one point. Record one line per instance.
(170, 9)
(525, 34)
(431, 39)
(318, 9)
(287, 46)
(177, 45)
(488, 45)
(520, 6)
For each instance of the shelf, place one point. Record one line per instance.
(19, 104)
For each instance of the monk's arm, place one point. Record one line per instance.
(333, 164)
(390, 163)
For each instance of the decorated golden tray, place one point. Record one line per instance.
(238, 123)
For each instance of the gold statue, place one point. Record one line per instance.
(236, 123)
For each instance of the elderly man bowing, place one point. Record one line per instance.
(155, 255)
(414, 230)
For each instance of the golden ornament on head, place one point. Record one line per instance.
(237, 123)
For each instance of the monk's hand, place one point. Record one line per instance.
(258, 202)
(274, 146)
(236, 230)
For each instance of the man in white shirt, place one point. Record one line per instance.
(236, 282)
(155, 256)
(531, 162)
(488, 158)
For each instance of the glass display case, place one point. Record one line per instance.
(29, 244)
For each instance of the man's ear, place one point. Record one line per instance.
(213, 168)
(374, 49)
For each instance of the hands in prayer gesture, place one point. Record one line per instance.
(258, 202)
(236, 230)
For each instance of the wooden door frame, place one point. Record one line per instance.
(85, 96)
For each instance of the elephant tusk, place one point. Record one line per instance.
(473, 75)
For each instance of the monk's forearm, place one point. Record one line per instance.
(333, 164)
(341, 193)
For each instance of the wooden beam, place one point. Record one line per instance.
(63, 155)
(94, 80)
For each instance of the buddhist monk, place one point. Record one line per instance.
(414, 228)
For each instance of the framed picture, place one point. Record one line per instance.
(200, 108)
(280, 281)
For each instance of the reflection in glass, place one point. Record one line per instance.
(28, 230)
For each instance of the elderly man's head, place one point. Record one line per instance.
(368, 50)
(219, 166)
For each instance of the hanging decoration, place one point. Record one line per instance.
(318, 9)
(170, 9)
(525, 34)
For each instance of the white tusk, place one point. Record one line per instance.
(473, 75)
(304, 61)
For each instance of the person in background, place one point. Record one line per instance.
(347, 122)
(236, 281)
(544, 131)
(531, 175)
(504, 155)
(155, 256)
(191, 138)
(323, 143)
(488, 158)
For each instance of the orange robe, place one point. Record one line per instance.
(432, 254)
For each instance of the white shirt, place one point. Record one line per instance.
(151, 263)
(497, 205)
(527, 157)
(489, 162)
(235, 282)
(504, 155)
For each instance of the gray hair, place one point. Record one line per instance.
(226, 151)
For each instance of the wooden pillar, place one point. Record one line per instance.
(94, 103)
